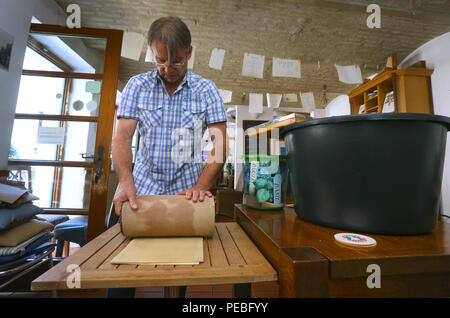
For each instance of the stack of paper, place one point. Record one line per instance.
(162, 251)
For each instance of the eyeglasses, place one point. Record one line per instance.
(175, 65)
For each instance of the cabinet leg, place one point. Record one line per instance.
(242, 290)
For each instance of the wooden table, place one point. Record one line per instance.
(310, 263)
(230, 258)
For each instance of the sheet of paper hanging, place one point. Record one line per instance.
(168, 215)
(162, 251)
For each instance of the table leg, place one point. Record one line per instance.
(242, 290)
(175, 292)
(302, 272)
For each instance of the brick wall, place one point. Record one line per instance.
(308, 30)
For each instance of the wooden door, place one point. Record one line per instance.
(64, 119)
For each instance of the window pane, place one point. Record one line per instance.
(57, 187)
(84, 97)
(75, 188)
(80, 139)
(34, 61)
(38, 140)
(40, 95)
(44, 95)
(81, 54)
(25, 144)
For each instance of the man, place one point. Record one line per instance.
(164, 102)
(173, 107)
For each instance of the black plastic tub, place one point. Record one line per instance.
(377, 173)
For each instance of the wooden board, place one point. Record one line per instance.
(162, 251)
(277, 123)
(230, 257)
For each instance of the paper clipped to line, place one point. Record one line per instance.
(308, 100)
(226, 95)
(216, 59)
(255, 103)
(349, 74)
(253, 65)
(273, 100)
(290, 97)
(132, 44)
(286, 68)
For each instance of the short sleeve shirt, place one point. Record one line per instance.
(169, 159)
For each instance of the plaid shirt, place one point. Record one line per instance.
(171, 128)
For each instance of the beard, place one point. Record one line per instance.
(172, 77)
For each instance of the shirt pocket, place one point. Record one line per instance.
(193, 115)
(150, 113)
(150, 117)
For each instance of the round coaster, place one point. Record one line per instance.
(353, 239)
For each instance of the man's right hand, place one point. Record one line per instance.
(125, 192)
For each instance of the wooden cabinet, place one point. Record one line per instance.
(310, 263)
(411, 89)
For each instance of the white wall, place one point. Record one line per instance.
(436, 53)
(15, 19)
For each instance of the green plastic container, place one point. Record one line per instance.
(265, 181)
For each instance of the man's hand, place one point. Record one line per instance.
(196, 193)
(125, 192)
(212, 167)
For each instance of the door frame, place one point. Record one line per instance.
(105, 119)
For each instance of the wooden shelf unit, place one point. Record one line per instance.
(411, 87)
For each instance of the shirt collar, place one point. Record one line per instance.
(155, 78)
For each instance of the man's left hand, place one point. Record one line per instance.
(196, 193)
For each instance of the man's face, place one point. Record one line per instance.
(172, 74)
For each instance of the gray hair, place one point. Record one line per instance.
(172, 32)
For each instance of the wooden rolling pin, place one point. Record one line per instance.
(168, 215)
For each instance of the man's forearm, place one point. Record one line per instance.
(209, 174)
(122, 157)
(217, 156)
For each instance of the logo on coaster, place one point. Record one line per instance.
(355, 239)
